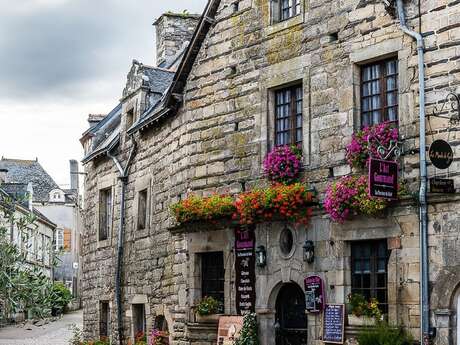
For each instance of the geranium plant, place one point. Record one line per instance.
(349, 196)
(196, 208)
(283, 164)
(290, 202)
(208, 306)
(366, 141)
(158, 337)
(359, 306)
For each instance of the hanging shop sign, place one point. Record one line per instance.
(334, 323)
(383, 179)
(314, 294)
(441, 154)
(229, 329)
(439, 185)
(245, 269)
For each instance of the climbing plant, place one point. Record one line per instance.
(249, 334)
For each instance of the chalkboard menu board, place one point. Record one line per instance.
(333, 324)
(245, 268)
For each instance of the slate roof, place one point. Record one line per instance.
(29, 171)
(159, 79)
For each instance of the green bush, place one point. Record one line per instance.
(249, 334)
(383, 334)
(61, 297)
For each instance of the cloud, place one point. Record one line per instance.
(63, 59)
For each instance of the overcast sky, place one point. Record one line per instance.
(63, 59)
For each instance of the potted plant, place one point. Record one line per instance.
(208, 310)
(363, 312)
(383, 334)
(283, 164)
(158, 337)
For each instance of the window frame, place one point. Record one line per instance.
(292, 116)
(373, 258)
(105, 213)
(278, 8)
(138, 309)
(207, 259)
(383, 93)
(142, 207)
(104, 310)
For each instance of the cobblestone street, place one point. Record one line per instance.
(56, 333)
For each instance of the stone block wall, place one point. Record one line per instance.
(220, 135)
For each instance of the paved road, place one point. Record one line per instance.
(55, 333)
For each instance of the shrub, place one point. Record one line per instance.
(290, 202)
(249, 334)
(350, 196)
(359, 150)
(283, 164)
(196, 208)
(158, 337)
(208, 306)
(383, 334)
(61, 296)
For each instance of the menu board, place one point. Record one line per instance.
(229, 329)
(333, 323)
(245, 269)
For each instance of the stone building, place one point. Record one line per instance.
(205, 125)
(61, 206)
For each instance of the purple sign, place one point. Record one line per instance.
(383, 179)
(314, 294)
(245, 269)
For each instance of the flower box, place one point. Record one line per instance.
(212, 318)
(354, 320)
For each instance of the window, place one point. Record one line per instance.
(59, 240)
(105, 213)
(288, 116)
(369, 262)
(285, 9)
(139, 325)
(104, 320)
(379, 92)
(129, 119)
(142, 210)
(212, 275)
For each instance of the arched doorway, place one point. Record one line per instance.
(291, 320)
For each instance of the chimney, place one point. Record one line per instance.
(3, 174)
(94, 119)
(174, 32)
(74, 174)
(30, 196)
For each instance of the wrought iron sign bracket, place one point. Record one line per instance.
(384, 152)
(453, 100)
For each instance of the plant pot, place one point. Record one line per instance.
(212, 318)
(354, 320)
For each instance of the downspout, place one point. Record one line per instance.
(424, 279)
(124, 173)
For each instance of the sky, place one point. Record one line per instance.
(61, 60)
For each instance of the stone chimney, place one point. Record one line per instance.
(174, 32)
(3, 174)
(94, 119)
(74, 178)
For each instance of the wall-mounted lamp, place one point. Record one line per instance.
(309, 251)
(261, 256)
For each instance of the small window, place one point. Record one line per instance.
(104, 320)
(379, 92)
(142, 210)
(284, 9)
(369, 262)
(129, 119)
(286, 242)
(212, 276)
(139, 325)
(105, 213)
(288, 116)
(59, 240)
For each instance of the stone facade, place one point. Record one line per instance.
(218, 137)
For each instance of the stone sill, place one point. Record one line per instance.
(284, 25)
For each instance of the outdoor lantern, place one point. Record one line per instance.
(309, 251)
(261, 256)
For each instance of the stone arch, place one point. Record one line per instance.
(443, 292)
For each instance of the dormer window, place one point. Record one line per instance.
(57, 195)
(282, 10)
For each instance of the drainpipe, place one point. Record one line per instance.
(124, 173)
(423, 205)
